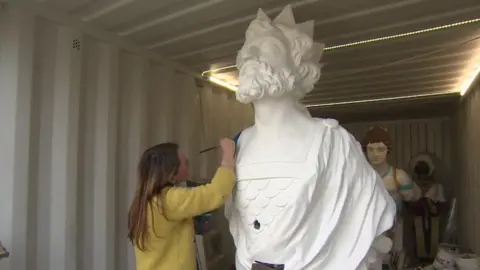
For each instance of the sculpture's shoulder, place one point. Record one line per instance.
(245, 135)
(323, 124)
(314, 137)
(402, 175)
(333, 128)
(334, 133)
(324, 127)
(294, 144)
(395, 179)
(328, 123)
(404, 179)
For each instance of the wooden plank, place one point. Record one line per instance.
(422, 144)
(17, 43)
(430, 136)
(407, 153)
(392, 157)
(475, 170)
(400, 141)
(105, 150)
(439, 137)
(447, 143)
(414, 139)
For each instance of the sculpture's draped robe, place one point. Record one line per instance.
(321, 213)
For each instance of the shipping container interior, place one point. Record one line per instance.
(86, 86)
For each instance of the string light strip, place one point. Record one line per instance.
(381, 99)
(357, 43)
(437, 28)
(222, 83)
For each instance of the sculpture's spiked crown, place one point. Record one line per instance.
(287, 19)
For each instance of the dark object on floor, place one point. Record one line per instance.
(3, 252)
(201, 222)
(267, 266)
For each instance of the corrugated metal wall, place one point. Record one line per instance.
(75, 115)
(467, 180)
(412, 137)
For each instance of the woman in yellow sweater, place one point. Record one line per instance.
(160, 220)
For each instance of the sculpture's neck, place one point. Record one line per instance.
(381, 168)
(273, 115)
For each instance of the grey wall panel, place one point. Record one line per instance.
(467, 184)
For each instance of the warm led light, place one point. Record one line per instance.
(469, 83)
(356, 43)
(380, 99)
(205, 73)
(222, 83)
(463, 91)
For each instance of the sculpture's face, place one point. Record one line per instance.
(377, 153)
(278, 58)
(271, 48)
(266, 67)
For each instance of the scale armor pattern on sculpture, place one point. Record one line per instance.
(260, 197)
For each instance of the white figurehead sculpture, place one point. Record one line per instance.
(306, 197)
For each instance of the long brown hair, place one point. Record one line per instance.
(156, 169)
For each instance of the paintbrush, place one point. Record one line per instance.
(235, 140)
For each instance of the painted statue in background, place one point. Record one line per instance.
(426, 209)
(306, 197)
(377, 144)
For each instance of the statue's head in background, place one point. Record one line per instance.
(423, 166)
(278, 58)
(377, 144)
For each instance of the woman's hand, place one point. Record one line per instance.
(228, 153)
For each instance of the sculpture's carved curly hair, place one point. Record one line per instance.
(305, 53)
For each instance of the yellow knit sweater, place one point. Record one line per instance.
(170, 244)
